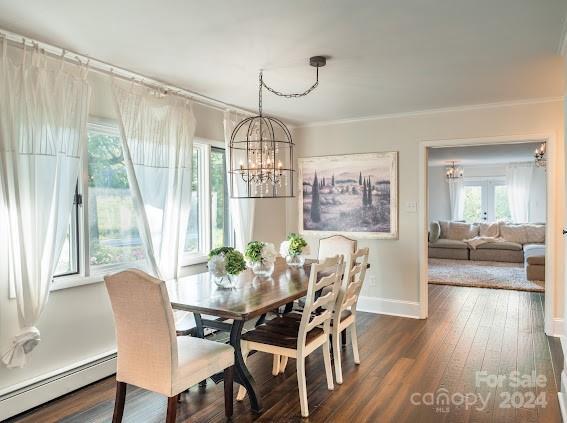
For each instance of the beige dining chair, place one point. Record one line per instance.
(336, 244)
(150, 355)
(344, 314)
(297, 335)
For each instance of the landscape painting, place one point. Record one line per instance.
(355, 195)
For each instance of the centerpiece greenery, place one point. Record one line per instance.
(224, 263)
(293, 249)
(261, 257)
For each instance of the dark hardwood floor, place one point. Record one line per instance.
(469, 330)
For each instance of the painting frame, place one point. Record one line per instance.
(392, 156)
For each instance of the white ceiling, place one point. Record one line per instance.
(483, 155)
(386, 56)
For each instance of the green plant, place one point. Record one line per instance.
(296, 244)
(234, 261)
(254, 251)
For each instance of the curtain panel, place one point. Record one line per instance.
(518, 181)
(157, 140)
(457, 198)
(43, 121)
(242, 210)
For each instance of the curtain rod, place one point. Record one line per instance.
(106, 68)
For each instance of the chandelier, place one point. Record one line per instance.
(454, 172)
(539, 155)
(261, 150)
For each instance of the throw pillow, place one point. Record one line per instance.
(434, 231)
(514, 233)
(535, 234)
(490, 229)
(462, 231)
(444, 225)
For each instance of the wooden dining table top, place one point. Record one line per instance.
(252, 296)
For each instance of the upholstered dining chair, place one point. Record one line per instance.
(344, 314)
(297, 335)
(150, 355)
(336, 244)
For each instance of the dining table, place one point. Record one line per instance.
(251, 298)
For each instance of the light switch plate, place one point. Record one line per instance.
(411, 207)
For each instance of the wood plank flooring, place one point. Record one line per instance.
(470, 330)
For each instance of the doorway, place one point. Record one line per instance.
(484, 203)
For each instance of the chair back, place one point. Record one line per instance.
(145, 330)
(336, 244)
(352, 282)
(327, 273)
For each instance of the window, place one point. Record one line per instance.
(113, 230)
(209, 225)
(486, 200)
(69, 259)
(103, 230)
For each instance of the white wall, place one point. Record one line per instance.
(440, 205)
(394, 273)
(77, 323)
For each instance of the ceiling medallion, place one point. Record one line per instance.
(261, 150)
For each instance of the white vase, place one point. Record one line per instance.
(297, 260)
(263, 268)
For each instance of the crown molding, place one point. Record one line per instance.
(465, 108)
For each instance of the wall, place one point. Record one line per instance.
(440, 205)
(394, 273)
(77, 323)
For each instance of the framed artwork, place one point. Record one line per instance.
(355, 195)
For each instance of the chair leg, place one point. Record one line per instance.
(283, 363)
(301, 383)
(276, 365)
(343, 337)
(171, 409)
(328, 365)
(228, 391)
(119, 402)
(337, 357)
(354, 341)
(241, 389)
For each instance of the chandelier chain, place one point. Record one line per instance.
(285, 95)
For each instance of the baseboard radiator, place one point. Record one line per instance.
(27, 396)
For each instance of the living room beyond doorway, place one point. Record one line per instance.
(487, 216)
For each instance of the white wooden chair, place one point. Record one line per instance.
(344, 315)
(150, 355)
(298, 335)
(328, 247)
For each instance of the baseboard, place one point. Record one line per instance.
(387, 306)
(54, 386)
(558, 327)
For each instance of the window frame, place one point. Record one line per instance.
(205, 146)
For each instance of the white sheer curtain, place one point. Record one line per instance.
(157, 140)
(43, 120)
(457, 198)
(518, 182)
(241, 210)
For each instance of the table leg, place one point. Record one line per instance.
(200, 332)
(288, 308)
(243, 376)
(261, 320)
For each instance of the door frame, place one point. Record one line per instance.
(554, 222)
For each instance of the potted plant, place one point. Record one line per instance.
(225, 263)
(294, 250)
(261, 257)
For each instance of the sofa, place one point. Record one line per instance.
(516, 243)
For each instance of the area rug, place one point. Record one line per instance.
(481, 274)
